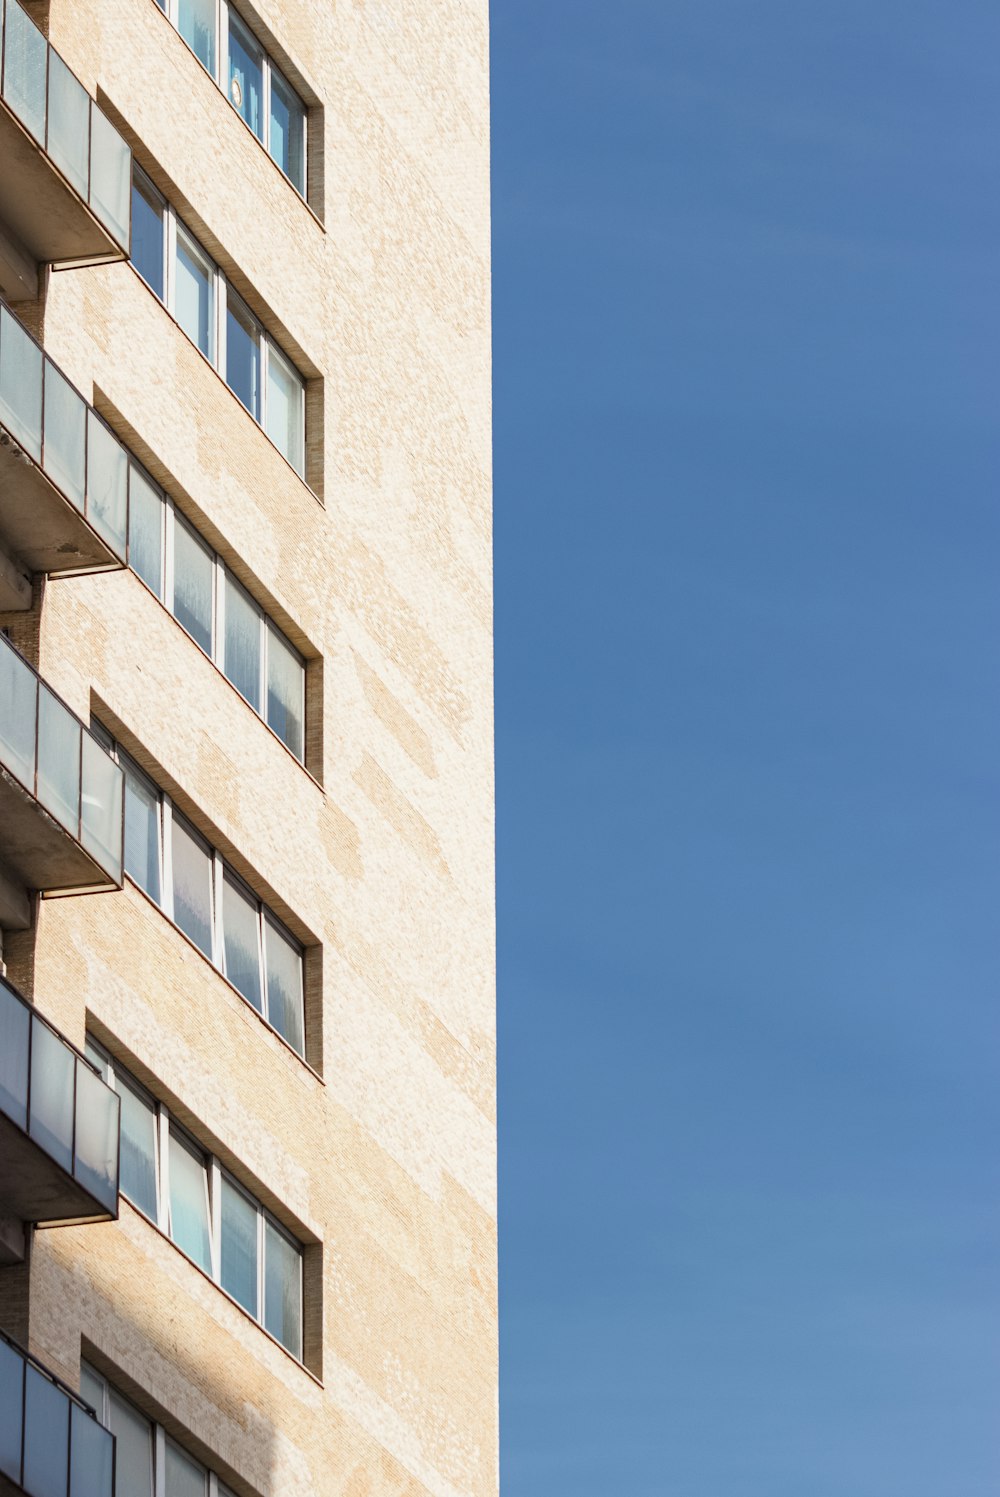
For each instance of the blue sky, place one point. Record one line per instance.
(748, 746)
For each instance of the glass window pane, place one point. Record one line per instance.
(287, 142)
(59, 736)
(69, 124)
(145, 529)
(189, 1203)
(92, 1389)
(52, 1068)
(11, 1411)
(245, 77)
(101, 808)
(110, 174)
(134, 1454)
(14, 1022)
(107, 484)
(283, 960)
(24, 70)
(92, 1459)
(282, 1289)
(65, 452)
(241, 657)
(196, 24)
(239, 1247)
(142, 831)
(286, 680)
(46, 1437)
(192, 865)
(147, 234)
(183, 1477)
(243, 354)
(20, 385)
(138, 1150)
(194, 580)
(18, 693)
(240, 927)
(193, 299)
(284, 408)
(96, 1164)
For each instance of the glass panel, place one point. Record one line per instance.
(18, 692)
(91, 1459)
(101, 808)
(240, 928)
(192, 886)
(107, 484)
(196, 24)
(142, 831)
(69, 123)
(138, 1166)
(59, 760)
(284, 985)
(246, 77)
(145, 530)
(15, 1020)
(110, 176)
(46, 1436)
(239, 1247)
(92, 1389)
(194, 575)
(20, 385)
(241, 657)
(134, 1456)
(24, 70)
(286, 680)
(52, 1068)
(284, 408)
(189, 1203)
(96, 1137)
(64, 455)
(287, 141)
(183, 1477)
(11, 1411)
(193, 302)
(282, 1289)
(243, 354)
(147, 234)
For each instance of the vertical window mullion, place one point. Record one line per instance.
(163, 1173)
(264, 632)
(219, 643)
(217, 882)
(265, 101)
(261, 1265)
(220, 322)
(168, 552)
(222, 17)
(215, 1179)
(265, 377)
(261, 964)
(170, 246)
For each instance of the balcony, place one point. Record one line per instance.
(65, 187)
(61, 802)
(63, 475)
(51, 1444)
(58, 1124)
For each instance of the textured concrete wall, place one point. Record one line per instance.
(382, 1154)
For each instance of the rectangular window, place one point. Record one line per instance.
(194, 585)
(238, 933)
(243, 339)
(148, 1461)
(285, 408)
(287, 142)
(246, 76)
(196, 22)
(194, 294)
(214, 1221)
(145, 529)
(286, 685)
(148, 232)
(244, 643)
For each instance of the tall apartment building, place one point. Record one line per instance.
(247, 1121)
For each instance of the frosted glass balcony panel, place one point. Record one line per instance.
(65, 453)
(24, 65)
(101, 807)
(107, 484)
(46, 1436)
(96, 1162)
(11, 1411)
(18, 707)
(59, 735)
(92, 1452)
(69, 124)
(110, 176)
(15, 1020)
(52, 1075)
(20, 384)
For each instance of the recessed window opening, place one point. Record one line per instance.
(217, 320)
(206, 899)
(205, 598)
(205, 1211)
(254, 86)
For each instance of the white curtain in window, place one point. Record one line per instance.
(241, 927)
(239, 1247)
(189, 1203)
(142, 832)
(284, 408)
(285, 692)
(284, 985)
(242, 650)
(192, 886)
(282, 1289)
(138, 1150)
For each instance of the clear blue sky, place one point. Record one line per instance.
(747, 331)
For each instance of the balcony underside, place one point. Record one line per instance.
(40, 528)
(37, 1189)
(36, 850)
(39, 206)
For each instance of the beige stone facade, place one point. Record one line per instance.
(376, 1149)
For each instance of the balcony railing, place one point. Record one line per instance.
(86, 158)
(64, 771)
(63, 473)
(51, 1444)
(59, 1159)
